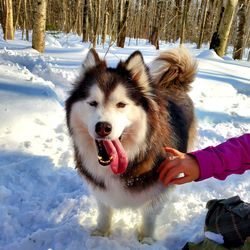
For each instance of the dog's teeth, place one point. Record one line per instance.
(105, 162)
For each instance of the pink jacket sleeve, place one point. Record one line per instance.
(230, 157)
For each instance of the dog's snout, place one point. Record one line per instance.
(103, 128)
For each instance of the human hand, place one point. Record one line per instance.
(180, 163)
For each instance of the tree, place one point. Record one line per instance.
(66, 16)
(241, 15)
(17, 15)
(122, 23)
(184, 19)
(7, 21)
(25, 22)
(202, 25)
(85, 21)
(90, 20)
(177, 24)
(105, 22)
(38, 36)
(220, 38)
(154, 38)
(155, 20)
(97, 14)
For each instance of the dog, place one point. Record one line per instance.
(119, 120)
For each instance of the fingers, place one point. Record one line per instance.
(167, 163)
(171, 168)
(168, 176)
(179, 181)
(173, 151)
(165, 166)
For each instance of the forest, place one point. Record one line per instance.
(219, 23)
(44, 202)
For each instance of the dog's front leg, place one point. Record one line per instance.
(103, 220)
(146, 230)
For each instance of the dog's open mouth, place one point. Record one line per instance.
(103, 158)
(111, 152)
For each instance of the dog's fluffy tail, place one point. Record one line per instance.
(174, 69)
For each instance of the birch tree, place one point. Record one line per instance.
(177, 24)
(8, 20)
(105, 22)
(184, 19)
(38, 36)
(241, 16)
(202, 25)
(96, 22)
(220, 39)
(25, 22)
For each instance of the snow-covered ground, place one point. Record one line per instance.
(43, 202)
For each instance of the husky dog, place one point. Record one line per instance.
(120, 119)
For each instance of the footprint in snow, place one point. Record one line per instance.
(38, 121)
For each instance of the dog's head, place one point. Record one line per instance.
(110, 105)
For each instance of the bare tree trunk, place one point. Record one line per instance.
(85, 21)
(247, 36)
(135, 27)
(178, 9)
(202, 25)
(17, 15)
(216, 6)
(221, 38)
(66, 17)
(30, 15)
(111, 29)
(145, 26)
(75, 20)
(184, 20)
(105, 22)
(121, 35)
(199, 15)
(97, 21)
(2, 18)
(38, 36)
(170, 18)
(238, 48)
(8, 22)
(90, 20)
(214, 39)
(25, 22)
(140, 19)
(119, 19)
(80, 18)
(209, 20)
(154, 38)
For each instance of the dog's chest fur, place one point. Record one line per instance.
(118, 191)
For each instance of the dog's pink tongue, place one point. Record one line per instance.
(116, 151)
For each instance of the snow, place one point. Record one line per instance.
(44, 204)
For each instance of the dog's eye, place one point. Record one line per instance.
(93, 103)
(121, 105)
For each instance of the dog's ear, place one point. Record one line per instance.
(135, 64)
(92, 59)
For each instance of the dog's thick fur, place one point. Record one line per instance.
(148, 108)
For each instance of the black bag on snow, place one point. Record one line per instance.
(230, 218)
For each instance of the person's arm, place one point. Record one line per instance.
(230, 157)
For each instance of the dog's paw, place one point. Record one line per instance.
(145, 240)
(97, 232)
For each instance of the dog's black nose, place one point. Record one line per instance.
(103, 128)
